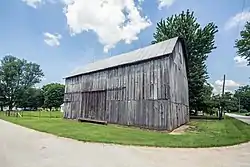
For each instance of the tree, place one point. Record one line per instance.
(243, 45)
(199, 43)
(2, 96)
(229, 102)
(31, 98)
(53, 95)
(17, 75)
(243, 94)
(207, 103)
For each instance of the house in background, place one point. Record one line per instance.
(147, 88)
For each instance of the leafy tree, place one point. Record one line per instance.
(17, 75)
(216, 101)
(31, 98)
(2, 96)
(243, 45)
(207, 103)
(53, 95)
(38, 99)
(199, 43)
(229, 102)
(243, 94)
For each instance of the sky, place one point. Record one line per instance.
(63, 35)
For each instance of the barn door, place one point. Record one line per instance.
(94, 105)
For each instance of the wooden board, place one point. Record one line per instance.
(92, 121)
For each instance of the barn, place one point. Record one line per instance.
(146, 88)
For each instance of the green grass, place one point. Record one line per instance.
(44, 114)
(47, 114)
(204, 133)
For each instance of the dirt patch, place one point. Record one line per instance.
(182, 129)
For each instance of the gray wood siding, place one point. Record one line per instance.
(152, 94)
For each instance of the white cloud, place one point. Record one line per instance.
(240, 61)
(52, 39)
(228, 83)
(238, 19)
(230, 86)
(36, 3)
(33, 3)
(163, 3)
(112, 20)
(140, 1)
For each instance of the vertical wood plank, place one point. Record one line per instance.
(132, 82)
(155, 80)
(151, 88)
(136, 83)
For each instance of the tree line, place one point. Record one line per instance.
(239, 101)
(18, 79)
(200, 42)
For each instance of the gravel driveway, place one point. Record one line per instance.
(22, 147)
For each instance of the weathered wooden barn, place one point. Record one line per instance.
(147, 88)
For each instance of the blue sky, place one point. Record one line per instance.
(62, 35)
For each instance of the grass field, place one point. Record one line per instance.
(43, 114)
(203, 133)
(47, 114)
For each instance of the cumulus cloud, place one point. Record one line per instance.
(52, 39)
(228, 83)
(33, 3)
(140, 1)
(240, 61)
(230, 86)
(163, 3)
(238, 19)
(112, 20)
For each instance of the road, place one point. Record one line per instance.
(242, 118)
(22, 147)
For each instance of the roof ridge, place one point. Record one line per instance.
(140, 54)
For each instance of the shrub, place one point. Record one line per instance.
(243, 111)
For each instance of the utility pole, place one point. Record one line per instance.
(223, 91)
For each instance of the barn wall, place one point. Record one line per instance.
(178, 88)
(150, 94)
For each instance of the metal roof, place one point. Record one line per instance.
(151, 51)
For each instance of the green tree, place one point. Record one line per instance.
(2, 96)
(243, 44)
(30, 98)
(207, 103)
(199, 43)
(229, 102)
(17, 75)
(53, 95)
(243, 94)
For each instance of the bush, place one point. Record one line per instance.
(243, 111)
(247, 114)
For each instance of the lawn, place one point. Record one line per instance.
(204, 133)
(44, 114)
(47, 114)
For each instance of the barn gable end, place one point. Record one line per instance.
(149, 92)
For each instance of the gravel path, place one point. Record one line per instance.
(22, 147)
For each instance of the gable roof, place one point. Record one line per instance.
(152, 51)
